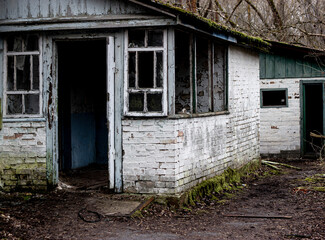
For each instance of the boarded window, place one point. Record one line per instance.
(145, 85)
(22, 76)
(274, 98)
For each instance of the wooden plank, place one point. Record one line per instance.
(49, 63)
(258, 216)
(299, 68)
(262, 65)
(279, 66)
(270, 68)
(111, 110)
(307, 69)
(171, 71)
(119, 88)
(290, 67)
(87, 25)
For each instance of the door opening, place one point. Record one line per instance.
(83, 133)
(313, 116)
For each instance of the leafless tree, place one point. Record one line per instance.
(300, 22)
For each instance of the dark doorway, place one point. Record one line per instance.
(83, 134)
(313, 116)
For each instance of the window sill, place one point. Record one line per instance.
(198, 115)
(12, 120)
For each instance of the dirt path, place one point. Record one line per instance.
(55, 216)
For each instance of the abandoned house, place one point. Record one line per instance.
(292, 100)
(159, 97)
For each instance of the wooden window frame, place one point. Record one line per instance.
(274, 89)
(23, 92)
(145, 91)
(212, 46)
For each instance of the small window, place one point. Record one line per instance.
(22, 76)
(145, 75)
(274, 98)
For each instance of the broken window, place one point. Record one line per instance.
(22, 85)
(200, 82)
(145, 75)
(274, 97)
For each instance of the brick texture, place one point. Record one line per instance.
(168, 156)
(23, 156)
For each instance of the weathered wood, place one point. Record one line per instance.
(259, 216)
(49, 109)
(281, 164)
(1, 80)
(171, 71)
(119, 86)
(14, 9)
(111, 110)
(87, 25)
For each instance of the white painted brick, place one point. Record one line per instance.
(207, 146)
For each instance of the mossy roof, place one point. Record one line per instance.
(209, 26)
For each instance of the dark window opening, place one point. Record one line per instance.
(274, 98)
(182, 72)
(146, 69)
(200, 74)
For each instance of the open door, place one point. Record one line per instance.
(82, 110)
(313, 116)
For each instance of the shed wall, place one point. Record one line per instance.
(168, 156)
(35, 9)
(281, 127)
(23, 155)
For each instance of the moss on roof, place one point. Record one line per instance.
(242, 38)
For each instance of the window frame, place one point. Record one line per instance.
(7, 92)
(193, 65)
(145, 91)
(270, 90)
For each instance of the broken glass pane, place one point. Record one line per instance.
(15, 44)
(32, 104)
(31, 43)
(23, 72)
(14, 103)
(159, 69)
(132, 69)
(145, 69)
(154, 102)
(35, 73)
(155, 38)
(136, 102)
(10, 73)
(136, 38)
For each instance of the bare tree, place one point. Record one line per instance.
(300, 22)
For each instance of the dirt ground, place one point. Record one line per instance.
(290, 205)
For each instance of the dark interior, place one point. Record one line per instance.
(313, 114)
(274, 98)
(83, 134)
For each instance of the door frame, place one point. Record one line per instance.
(50, 69)
(303, 133)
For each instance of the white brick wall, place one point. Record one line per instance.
(23, 155)
(171, 155)
(280, 127)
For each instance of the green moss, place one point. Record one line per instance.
(319, 189)
(137, 214)
(228, 181)
(242, 38)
